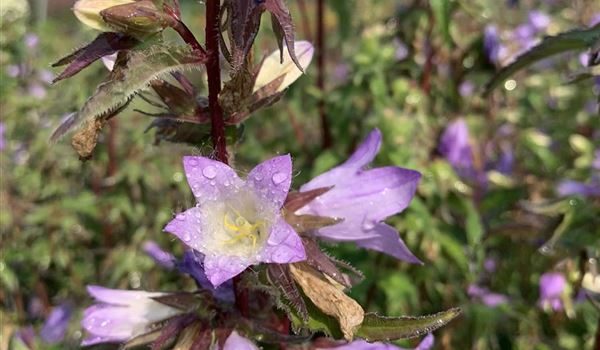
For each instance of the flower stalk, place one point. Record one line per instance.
(213, 70)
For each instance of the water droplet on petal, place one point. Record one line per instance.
(209, 172)
(180, 216)
(192, 162)
(186, 237)
(368, 224)
(278, 178)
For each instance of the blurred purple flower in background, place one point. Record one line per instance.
(425, 344)
(237, 223)
(13, 70)
(364, 198)
(538, 20)
(487, 297)
(121, 315)
(466, 88)
(37, 90)
(552, 286)
(491, 43)
(160, 257)
(455, 147)
(54, 329)
(2, 139)
(401, 49)
(567, 188)
(26, 336)
(237, 342)
(31, 40)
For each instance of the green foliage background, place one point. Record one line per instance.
(65, 224)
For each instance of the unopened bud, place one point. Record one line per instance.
(138, 19)
(88, 12)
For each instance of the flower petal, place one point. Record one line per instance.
(209, 179)
(283, 245)
(219, 269)
(116, 323)
(191, 264)
(119, 296)
(186, 226)
(237, 342)
(363, 200)
(271, 179)
(389, 242)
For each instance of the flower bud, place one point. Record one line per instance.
(138, 19)
(88, 12)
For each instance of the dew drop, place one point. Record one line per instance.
(368, 224)
(209, 172)
(278, 178)
(186, 237)
(180, 216)
(192, 162)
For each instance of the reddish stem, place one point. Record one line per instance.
(305, 21)
(325, 131)
(186, 34)
(213, 70)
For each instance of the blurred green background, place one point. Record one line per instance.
(406, 67)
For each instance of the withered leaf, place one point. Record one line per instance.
(85, 140)
(177, 100)
(176, 325)
(104, 44)
(192, 336)
(329, 297)
(296, 200)
(279, 276)
(304, 223)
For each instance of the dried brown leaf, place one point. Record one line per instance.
(85, 140)
(329, 297)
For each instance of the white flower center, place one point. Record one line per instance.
(237, 225)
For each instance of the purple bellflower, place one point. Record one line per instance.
(363, 198)
(491, 44)
(238, 223)
(425, 344)
(160, 257)
(487, 297)
(54, 329)
(575, 188)
(552, 286)
(2, 139)
(121, 315)
(237, 342)
(455, 147)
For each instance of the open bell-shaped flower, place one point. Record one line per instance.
(237, 223)
(363, 198)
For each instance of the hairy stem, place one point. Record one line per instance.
(213, 70)
(186, 34)
(325, 131)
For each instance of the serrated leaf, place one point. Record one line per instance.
(380, 328)
(104, 44)
(279, 276)
(130, 75)
(551, 45)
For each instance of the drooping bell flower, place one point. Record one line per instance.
(237, 223)
(55, 327)
(552, 286)
(486, 296)
(121, 315)
(425, 344)
(160, 257)
(191, 264)
(363, 198)
(455, 147)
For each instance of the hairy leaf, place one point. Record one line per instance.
(322, 262)
(552, 45)
(104, 44)
(380, 328)
(279, 276)
(130, 75)
(329, 297)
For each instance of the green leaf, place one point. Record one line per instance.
(569, 41)
(473, 223)
(317, 320)
(131, 74)
(381, 328)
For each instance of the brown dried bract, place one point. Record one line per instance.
(85, 140)
(329, 297)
